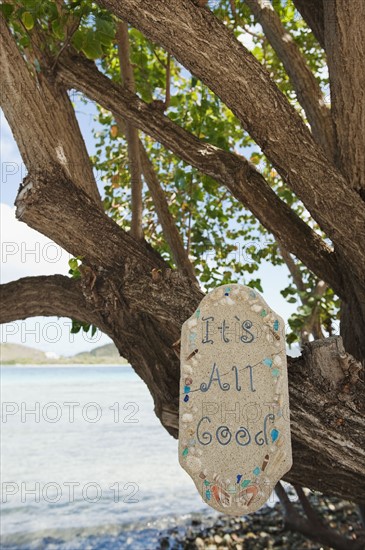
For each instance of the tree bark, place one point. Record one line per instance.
(52, 295)
(70, 218)
(127, 290)
(234, 171)
(210, 51)
(131, 133)
(170, 231)
(42, 118)
(312, 13)
(345, 46)
(142, 305)
(144, 317)
(306, 87)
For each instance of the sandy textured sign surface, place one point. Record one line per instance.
(234, 408)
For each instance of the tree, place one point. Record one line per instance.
(183, 101)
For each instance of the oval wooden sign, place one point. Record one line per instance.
(234, 428)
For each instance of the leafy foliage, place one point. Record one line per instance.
(74, 271)
(224, 240)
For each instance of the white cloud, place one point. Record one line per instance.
(12, 167)
(25, 252)
(246, 38)
(9, 149)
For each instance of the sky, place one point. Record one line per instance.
(25, 252)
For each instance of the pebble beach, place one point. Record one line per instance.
(266, 529)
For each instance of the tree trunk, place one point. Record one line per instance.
(345, 47)
(141, 304)
(128, 291)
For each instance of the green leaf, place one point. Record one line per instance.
(58, 29)
(28, 21)
(76, 327)
(291, 338)
(105, 30)
(73, 263)
(92, 45)
(7, 10)
(24, 41)
(78, 39)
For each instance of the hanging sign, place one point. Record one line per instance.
(234, 429)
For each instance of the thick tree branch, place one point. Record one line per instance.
(51, 295)
(332, 408)
(312, 13)
(70, 218)
(306, 505)
(311, 526)
(285, 501)
(233, 171)
(42, 118)
(131, 134)
(307, 89)
(345, 47)
(143, 304)
(207, 48)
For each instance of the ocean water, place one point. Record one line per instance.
(86, 464)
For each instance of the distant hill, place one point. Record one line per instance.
(12, 354)
(108, 351)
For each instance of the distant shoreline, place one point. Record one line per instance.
(19, 354)
(60, 364)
